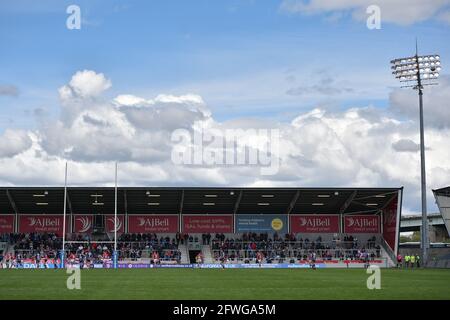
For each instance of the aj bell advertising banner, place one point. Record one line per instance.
(153, 224)
(42, 223)
(361, 224)
(83, 223)
(6, 223)
(315, 223)
(261, 223)
(120, 223)
(208, 224)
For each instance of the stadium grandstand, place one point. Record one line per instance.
(203, 227)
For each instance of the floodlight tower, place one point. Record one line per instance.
(416, 72)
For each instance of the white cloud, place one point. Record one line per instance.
(402, 12)
(84, 84)
(13, 142)
(406, 103)
(406, 145)
(129, 100)
(354, 147)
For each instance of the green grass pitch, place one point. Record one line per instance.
(212, 284)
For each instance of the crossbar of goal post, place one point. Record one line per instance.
(89, 242)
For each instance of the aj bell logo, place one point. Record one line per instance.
(317, 222)
(43, 222)
(153, 222)
(86, 224)
(117, 223)
(361, 222)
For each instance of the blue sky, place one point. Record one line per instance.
(211, 48)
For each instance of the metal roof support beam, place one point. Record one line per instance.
(293, 202)
(238, 202)
(344, 207)
(380, 194)
(363, 211)
(125, 205)
(69, 205)
(347, 202)
(16, 212)
(290, 208)
(236, 208)
(180, 222)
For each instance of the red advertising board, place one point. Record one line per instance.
(315, 223)
(109, 223)
(83, 223)
(208, 224)
(42, 223)
(361, 224)
(153, 224)
(390, 222)
(6, 223)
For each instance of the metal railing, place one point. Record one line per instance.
(389, 251)
(302, 254)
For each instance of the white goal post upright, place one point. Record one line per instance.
(63, 252)
(115, 257)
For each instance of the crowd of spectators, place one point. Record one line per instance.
(79, 247)
(291, 248)
(133, 246)
(29, 245)
(239, 248)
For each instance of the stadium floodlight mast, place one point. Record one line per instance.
(416, 72)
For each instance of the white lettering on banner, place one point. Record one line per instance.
(315, 222)
(153, 222)
(362, 222)
(44, 222)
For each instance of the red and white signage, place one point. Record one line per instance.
(208, 224)
(83, 223)
(361, 224)
(315, 223)
(153, 224)
(109, 223)
(42, 223)
(6, 223)
(390, 222)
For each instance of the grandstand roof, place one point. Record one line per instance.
(193, 200)
(443, 191)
